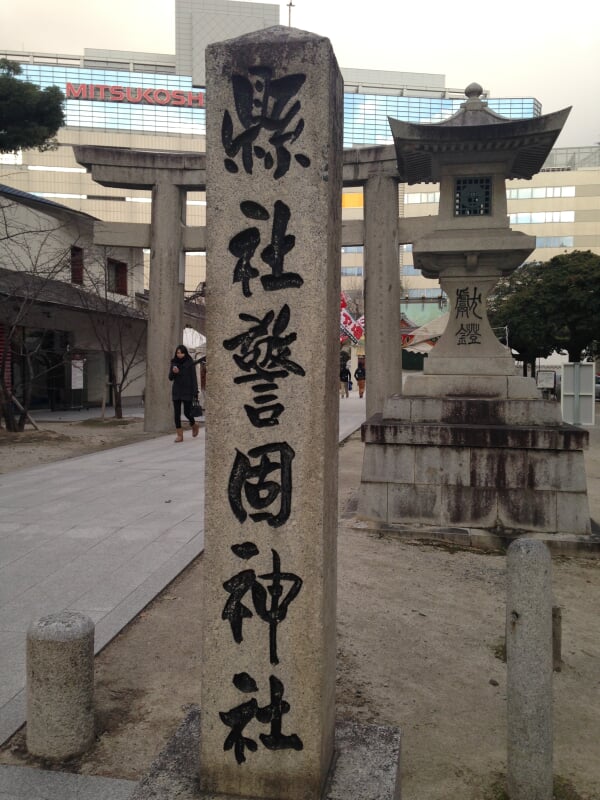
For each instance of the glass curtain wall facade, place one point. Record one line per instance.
(136, 101)
(144, 104)
(160, 103)
(366, 115)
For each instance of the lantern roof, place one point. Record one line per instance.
(475, 134)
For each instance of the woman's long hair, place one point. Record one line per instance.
(184, 350)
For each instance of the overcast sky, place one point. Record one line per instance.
(549, 50)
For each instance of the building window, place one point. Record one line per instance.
(541, 217)
(554, 241)
(116, 274)
(55, 169)
(420, 294)
(77, 265)
(353, 248)
(422, 197)
(472, 197)
(540, 192)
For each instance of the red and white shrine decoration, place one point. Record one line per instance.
(350, 328)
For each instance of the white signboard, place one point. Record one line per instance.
(77, 373)
(578, 401)
(546, 379)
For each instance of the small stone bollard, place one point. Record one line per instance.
(529, 671)
(60, 685)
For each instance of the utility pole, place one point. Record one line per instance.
(290, 5)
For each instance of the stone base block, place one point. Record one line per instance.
(367, 765)
(510, 467)
(559, 544)
(475, 411)
(484, 384)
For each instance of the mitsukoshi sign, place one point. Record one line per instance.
(130, 94)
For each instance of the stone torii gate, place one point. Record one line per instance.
(170, 175)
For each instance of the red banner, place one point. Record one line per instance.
(349, 327)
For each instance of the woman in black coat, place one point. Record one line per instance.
(185, 389)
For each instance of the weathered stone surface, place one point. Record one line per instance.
(573, 513)
(474, 507)
(529, 671)
(480, 411)
(382, 289)
(410, 503)
(564, 474)
(382, 464)
(60, 685)
(528, 510)
(478, 385)
(453, 468)
(562, 438)
(504, 469)
(274, 169)
(373, 501)
(367, 765)
(500, 465)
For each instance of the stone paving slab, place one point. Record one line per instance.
(26, 783)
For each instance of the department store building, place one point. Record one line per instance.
(157, 101)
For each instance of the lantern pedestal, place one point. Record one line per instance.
(507, 467)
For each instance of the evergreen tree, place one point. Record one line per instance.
(29, 116)
(550, 306)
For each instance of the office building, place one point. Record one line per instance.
(157, 101)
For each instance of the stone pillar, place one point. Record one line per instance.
(165, 314)
(529, 671)
(60, 685)
(382, 292)
(469, 346)
(274, 150)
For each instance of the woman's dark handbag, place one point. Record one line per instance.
(196, 409)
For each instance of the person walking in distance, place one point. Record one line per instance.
(345, 376)
(182, 373)
(360, 373)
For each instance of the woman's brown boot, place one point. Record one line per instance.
(179, 437)
(195, 428)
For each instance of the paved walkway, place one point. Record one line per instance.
(102, 534)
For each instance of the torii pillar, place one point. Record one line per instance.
(169, 176)
(376, 170)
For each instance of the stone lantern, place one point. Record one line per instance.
(470, 244)
(470, 448)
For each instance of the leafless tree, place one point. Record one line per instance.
(118, 321)
(33, 254)
(49, 267)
